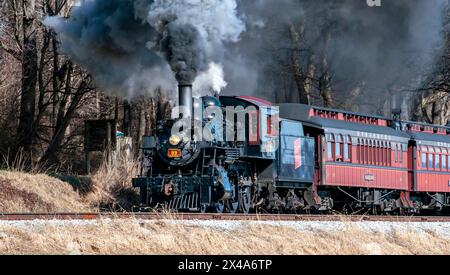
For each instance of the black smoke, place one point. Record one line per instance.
(109, 40)
(181, 46)
(130, 45)
(383, 50)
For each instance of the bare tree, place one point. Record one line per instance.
(433, 99)
(325, 79)
(29, 57)
(51, 87)
(297, 66)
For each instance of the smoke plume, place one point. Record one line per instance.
(130, 45)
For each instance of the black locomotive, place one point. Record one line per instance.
(245, 158)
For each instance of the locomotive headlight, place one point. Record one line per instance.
(175, 140)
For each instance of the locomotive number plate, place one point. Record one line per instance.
(174, 153)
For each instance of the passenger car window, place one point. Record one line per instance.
(430, 161)
(330, 150)
(338, 149)
(346, 151)
(396, 153)
(424, 160)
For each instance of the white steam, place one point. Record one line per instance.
(209, 81)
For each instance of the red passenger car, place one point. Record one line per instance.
(430, 160)
(376, 162)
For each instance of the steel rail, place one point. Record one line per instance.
(223, 217)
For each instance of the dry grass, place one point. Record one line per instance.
(112, 186)
(133, 237)
(31, 193)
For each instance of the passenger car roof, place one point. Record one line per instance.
(429, 139)
(301, 113)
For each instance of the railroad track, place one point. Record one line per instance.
(223, 217)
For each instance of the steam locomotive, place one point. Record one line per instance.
(292, 158)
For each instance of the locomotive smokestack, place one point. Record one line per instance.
(185, 99)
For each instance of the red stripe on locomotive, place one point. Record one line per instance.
(298, 153)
